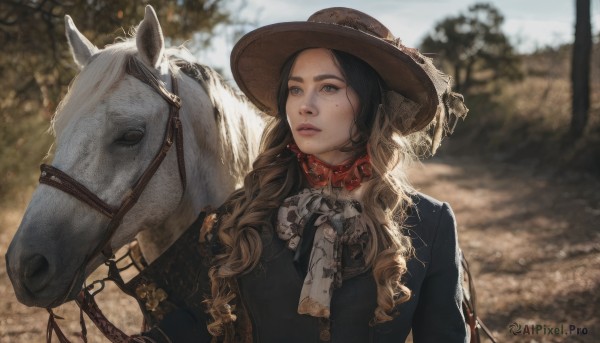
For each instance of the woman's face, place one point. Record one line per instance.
(321, 106)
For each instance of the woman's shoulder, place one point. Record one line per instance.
(426, 202)
(427, 216)
(427, 208)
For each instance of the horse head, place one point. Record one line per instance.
(120, 114)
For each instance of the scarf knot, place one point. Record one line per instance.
(340, 227)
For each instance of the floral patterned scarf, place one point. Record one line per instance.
(340, 227)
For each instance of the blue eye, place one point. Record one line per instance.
(330, 88)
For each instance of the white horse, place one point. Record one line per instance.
(108, 129)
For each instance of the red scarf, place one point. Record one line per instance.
(349, 174)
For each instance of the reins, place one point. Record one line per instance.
(87, 304)
(56, 178)
(469, 308)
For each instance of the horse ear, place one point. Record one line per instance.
(81, 48)
(149, 39)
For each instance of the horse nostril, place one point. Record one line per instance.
(37, 272)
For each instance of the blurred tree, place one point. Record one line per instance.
(580, 68)
(474, 42)
(36, 65)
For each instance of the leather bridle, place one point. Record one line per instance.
(56, 178)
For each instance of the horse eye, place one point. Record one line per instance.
(131, 137)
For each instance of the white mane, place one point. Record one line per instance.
(234, 123)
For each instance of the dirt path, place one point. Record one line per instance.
(533, 241)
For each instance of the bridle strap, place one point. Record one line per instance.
(137, 69)
(58, 179)
(54, 177)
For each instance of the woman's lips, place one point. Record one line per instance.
(307, 130)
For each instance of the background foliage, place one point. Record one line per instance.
(36, 66)
(520, 104)
(473, 44)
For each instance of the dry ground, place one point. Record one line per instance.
(533, 240)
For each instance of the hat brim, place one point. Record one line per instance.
(257, 60)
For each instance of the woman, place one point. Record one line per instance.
(326, 241)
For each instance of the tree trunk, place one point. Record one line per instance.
(468, 75)
(457, 81)
(580, 68)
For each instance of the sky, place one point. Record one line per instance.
(530, 24)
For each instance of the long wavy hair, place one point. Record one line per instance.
(276, 175)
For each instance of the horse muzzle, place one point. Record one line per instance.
(37, 277)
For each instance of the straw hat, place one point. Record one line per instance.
(411, 80)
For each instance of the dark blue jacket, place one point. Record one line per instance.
(271, 291)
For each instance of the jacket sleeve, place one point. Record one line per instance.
(438, 316)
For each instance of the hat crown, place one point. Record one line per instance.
(353, 19)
